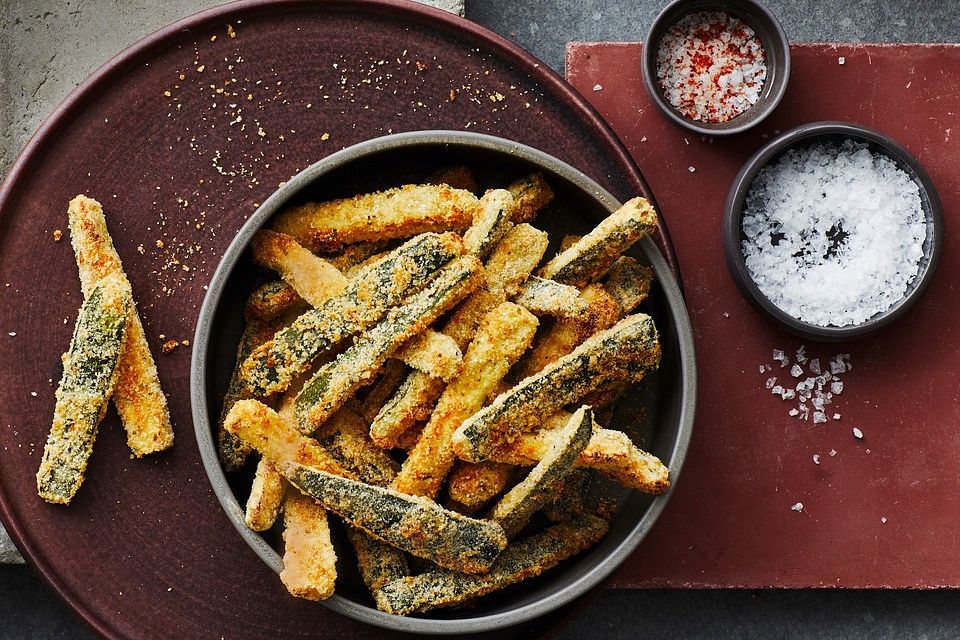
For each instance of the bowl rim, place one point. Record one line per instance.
(733, 216)
(766, 106)
(198, 381)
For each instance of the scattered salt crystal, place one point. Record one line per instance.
(836, 387)
(857, 433)
(763, 368)
(837, 365)
(794, 412)
(833, 452)
(819, 417)
(816, 458)
(33, 393)
(598, 87)
(691, 169)
(796, 371)
(778, 355)
(797, 507)
(771, 381)
(862, 231)
(802, 354)
(815, 366)
(11, 333)
(788, 394)
(841, 60)
(836, 416)
(777, 390)
(883, 520)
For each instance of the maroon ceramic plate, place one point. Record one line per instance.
(181, 137)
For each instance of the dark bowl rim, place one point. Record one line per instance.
(198, 381)
(766, 106)
(733, 216)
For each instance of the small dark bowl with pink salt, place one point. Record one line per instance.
(716, 68)
(888, 200)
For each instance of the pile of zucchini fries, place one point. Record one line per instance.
(108, 358)
(413, 354)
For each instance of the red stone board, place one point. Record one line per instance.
(729, 522)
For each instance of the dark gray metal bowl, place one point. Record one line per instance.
(580, 204)
(775, 44)
(802, 136)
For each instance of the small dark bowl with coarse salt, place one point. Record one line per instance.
(898, 173)
(716, 68)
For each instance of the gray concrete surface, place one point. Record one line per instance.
(48, 46)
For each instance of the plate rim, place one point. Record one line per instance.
(540, 74)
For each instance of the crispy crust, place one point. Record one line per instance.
(395, 213)
(138, 396)
(416, 525)
(90, 372)
(548, 298)
(334, 383)
(433, 353)
(629, 348)
(503, 336)
(272, 300)
(313, 278)
(266, 496)
(273, 366)
(522, 560)
(473, 484)
(593, 254)
(309, 559)
(345, 436)
(609, 452)
(491, 223)
(514, 509)
(628, 282)
(532, 194)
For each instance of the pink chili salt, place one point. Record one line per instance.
(711, 66)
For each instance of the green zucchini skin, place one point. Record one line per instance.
(416, 525)
(630, 348)
(273, 366)
(89, 374)
(527, 558)
(333, 384)
(515, 508)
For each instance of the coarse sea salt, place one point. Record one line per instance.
(834, 233)
(711, 66)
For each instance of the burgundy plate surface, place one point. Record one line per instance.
(181, 137)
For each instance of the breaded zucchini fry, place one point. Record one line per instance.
(593, 254)
(532, 194)
(514, 509)
(273, 366)
(416, 525)
(309, 559)
(568, 499)
(491, 224)
(609, 452)
(525, 559)
(548, 298)
(503, 336)
(276, 440)
(457, 176)
(379, 563)
(433, 353)
(90, 371)
(396, 213)
(602, 312)
(232, 451)
(628, 282)
(335, 382)
(473, 484)
(345, 436)
(630, 346)
(354, 255)
(313, 278)
(274, 299)
(512, 261)
(266, 496)
(138, 396)
(392, 375)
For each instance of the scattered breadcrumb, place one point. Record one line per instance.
(57, 234)
(169, 346)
